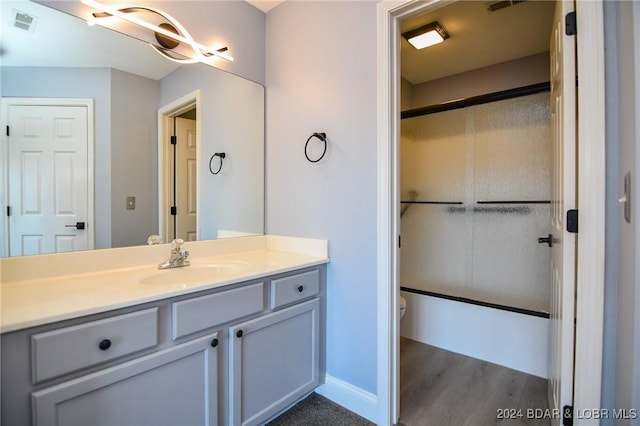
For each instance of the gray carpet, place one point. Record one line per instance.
(316, 410)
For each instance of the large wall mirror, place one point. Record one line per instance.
(132, 101)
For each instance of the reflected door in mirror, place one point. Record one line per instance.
(185, 188)
(48, 179)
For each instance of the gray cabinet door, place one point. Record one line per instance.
(274, 360)
(176, 386)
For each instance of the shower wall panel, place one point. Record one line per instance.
(480, 156)
(434, 242)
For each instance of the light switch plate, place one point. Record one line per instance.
(131, 203)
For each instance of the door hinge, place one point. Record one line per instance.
(7, 130)
(572, 221)
(174, 210)
(8, 210)
(570, 24)
(174, 140)
(567, 415)
(399, 241)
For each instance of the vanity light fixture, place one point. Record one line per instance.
(427, 35)
(168, 35)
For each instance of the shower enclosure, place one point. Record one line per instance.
(475, 186)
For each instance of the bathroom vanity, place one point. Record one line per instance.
(234, 341)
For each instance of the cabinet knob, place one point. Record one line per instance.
(104, 344)
(300, 288)
(239, 333)
(214, 343)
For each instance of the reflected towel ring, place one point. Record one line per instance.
(323, 137)
(222, 155)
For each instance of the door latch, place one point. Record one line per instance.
(546, 240)
(78, 225)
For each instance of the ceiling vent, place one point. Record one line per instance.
(23, 20)
(498, 5)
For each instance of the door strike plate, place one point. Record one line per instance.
(627, 197)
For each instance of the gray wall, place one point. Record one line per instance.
(134, 158)
(507, 75)
(621, 375)
(322, 78)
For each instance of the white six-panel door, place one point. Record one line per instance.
(48, 182)
(186, 179)
(563, 198)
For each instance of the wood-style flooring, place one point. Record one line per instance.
(441, 388)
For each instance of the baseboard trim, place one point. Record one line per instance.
(351, 397)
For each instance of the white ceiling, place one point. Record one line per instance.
(477, 38)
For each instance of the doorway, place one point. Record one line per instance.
(590, 269)
(47, 170)
(474, 152)
(179, 176)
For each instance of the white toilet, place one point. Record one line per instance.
(403, 306)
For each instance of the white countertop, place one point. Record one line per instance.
(42, 298)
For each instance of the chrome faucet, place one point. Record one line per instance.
(178, 256)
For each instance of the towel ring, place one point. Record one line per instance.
(323, 137)
(222, 155)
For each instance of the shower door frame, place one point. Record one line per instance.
(591, 194)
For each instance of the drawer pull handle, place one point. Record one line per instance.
(104, 344)
(239, 333)
(214, 343)
(300, 288)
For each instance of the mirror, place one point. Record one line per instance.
(135, 95)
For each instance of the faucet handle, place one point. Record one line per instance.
(177, 244)
(154, 239)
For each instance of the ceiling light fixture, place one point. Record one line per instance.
(168, 35)
(426, 36)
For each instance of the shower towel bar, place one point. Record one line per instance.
(517, 210)
(515, 202)
(433, 202)
(514, 209)
(479, 202)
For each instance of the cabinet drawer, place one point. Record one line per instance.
(175, 386)
(293, 288)
(72, 348)
(208, 311)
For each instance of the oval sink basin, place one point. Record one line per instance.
(195, 273)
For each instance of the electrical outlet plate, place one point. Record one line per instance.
(131, 203)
